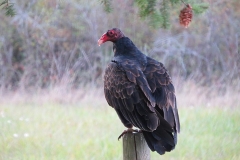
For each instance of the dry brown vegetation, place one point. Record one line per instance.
(50, 49)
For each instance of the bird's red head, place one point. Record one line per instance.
(111, 35)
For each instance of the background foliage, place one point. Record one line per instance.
(50, 43)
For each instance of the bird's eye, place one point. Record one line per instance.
(110, 33)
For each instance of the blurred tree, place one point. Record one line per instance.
(158, 11)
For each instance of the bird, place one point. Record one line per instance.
(141, 91)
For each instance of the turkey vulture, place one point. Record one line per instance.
(140, 90)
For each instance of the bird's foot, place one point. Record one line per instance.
(129, 130)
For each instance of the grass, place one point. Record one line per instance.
(64, 132)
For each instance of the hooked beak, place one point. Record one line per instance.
(102, 39)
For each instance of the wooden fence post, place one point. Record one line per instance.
(135, 147)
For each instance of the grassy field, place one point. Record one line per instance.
(64, 132)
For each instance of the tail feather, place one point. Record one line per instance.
(159, 145)
(161, 134)
(161, 140)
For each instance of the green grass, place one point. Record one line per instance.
(58, 132)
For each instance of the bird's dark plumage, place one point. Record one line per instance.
(141, 91)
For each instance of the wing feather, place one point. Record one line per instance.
(138, 94)
(126, 89)
(163, 91)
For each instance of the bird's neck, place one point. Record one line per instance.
(124, 47)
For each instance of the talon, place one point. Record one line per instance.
(129, 130)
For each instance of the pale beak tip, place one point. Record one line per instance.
(100, 41)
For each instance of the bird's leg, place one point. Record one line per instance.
(129, 130)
